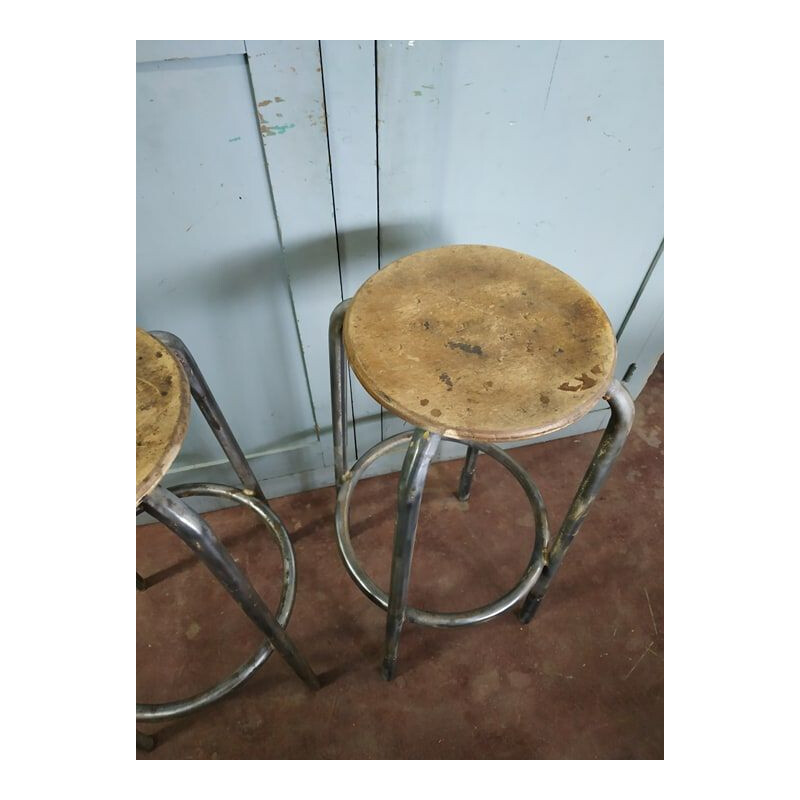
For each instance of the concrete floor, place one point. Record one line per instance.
(585, 680)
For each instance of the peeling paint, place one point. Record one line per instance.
(273, 130)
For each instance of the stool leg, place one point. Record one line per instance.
(141, 583)
(421, 450)
(211, 411)
(196, 533)
(144, 742)
(467, 473)
(622, 412)
(338, 366)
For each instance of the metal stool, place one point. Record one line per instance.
(165, 375)
(478, 345)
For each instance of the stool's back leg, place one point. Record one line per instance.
(467, 473)
(211, 411)
(338, 366)
(196, 533)
(421, 450)
(622, 412)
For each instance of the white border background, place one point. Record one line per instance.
(68, 301)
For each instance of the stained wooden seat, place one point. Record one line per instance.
(480, 342)
(162, 411)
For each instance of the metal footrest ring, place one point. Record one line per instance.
(433, 618)
(156, 712)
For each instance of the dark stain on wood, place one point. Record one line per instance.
(466, 347)
(445, 379)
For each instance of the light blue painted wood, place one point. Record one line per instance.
(348, 71)
(349, 78)
(209, 261)
(170, 49)
(552, 149)
(287, 86)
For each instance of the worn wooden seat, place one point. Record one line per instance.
(480, 342)
(162, 411)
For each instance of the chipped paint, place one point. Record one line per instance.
(273, 130)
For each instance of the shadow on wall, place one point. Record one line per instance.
(222, 300)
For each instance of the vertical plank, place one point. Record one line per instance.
(287, 87)
(349, 81)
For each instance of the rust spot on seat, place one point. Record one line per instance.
(435, 412)
(584, 382)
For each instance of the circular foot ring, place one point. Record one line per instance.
(155, 712)
(433, 618)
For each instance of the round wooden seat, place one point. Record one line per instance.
(480, 342)
(162, 411)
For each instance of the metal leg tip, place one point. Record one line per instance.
(528, 610)
(313, 682)
(388, 669)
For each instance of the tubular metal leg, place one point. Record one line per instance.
(145, 742)
(141, 583)
(421, 450)
(338, 364)
(196, 533)
(467, 473)
(211, 411)
(622, 412)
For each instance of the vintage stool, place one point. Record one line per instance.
(165, 374)
(477, 345)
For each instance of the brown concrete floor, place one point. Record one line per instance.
(585, 680)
